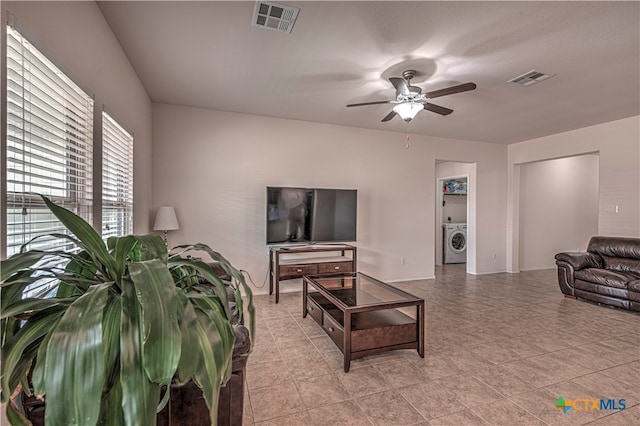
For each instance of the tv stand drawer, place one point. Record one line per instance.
(298, 270)
(327, 268)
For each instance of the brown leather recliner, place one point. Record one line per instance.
(608, 272)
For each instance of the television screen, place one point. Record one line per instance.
(309, 215)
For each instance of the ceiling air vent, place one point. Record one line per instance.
(532, 77)
(274, 16)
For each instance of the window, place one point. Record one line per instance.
(49, 146)
(117, 179)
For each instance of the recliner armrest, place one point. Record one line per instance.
(581, 260)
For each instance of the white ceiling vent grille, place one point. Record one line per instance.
(274, 16)
(532, 77)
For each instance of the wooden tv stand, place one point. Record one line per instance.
(287, 263)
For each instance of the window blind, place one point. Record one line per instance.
(49, 146)
(117, 179)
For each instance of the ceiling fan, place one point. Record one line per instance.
(410, 100)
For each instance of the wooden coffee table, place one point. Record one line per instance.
(362, 314)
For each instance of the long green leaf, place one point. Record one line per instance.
(207, 273)
(32, 304)
(111, 341)
(121, 250)
(111, 413)
(236, 275)
(209, 376)
(13, 350)
(156, 294)
(188, 358)
(80, 267)
(37, 376)
(212, 309)
(139, 395)
(20, 261)
(89, 238)
(74, 372)
(152, 246)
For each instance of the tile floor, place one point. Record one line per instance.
(500, 350)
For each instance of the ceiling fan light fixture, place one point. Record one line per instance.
(408, 110)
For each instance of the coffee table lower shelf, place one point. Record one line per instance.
(369, 332)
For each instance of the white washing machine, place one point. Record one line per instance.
(455, 242)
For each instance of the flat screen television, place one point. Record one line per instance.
(311, 215)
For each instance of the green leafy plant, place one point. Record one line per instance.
(127, 319)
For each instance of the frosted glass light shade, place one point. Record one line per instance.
(408, 110)
(166, 219)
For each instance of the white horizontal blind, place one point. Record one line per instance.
(117, 179)
(49, 147)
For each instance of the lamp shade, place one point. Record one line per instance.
(166, 219)
(408, 110)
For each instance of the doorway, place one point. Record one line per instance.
(454, 227)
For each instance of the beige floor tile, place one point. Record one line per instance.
(505, 413)
(629, 343)
(436, 366)
(400, 373)
(389, 408)
(364, 381)
(467, 361)
(294, 349)
(502, 381)
(295, 419)
(319, 391)
(469, 390)
(346, 413)
(460, 418)
(531, 372)
(304, 367)
(268, 374)
(431, 400)
(627, 373)
(275, 401)
(324, 343)
(264, 353)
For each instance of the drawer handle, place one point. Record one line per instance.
(311, 308)
(331, 329)
(337, 268)
(298, 270)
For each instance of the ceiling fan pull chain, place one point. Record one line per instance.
(407, 144)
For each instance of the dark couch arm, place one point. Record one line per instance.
(580, 260)
(568, 263)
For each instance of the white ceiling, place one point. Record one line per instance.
(207, 54)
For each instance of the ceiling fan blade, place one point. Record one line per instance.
(437, 109)
(451, 90)
(400, 84)
(389, 116)
(369, 103)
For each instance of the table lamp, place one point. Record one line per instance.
(166, 220)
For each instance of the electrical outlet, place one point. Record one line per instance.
(493, 255)
(403, 260)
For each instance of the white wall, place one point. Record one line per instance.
(78, 38)
(214, 167)
(566, 190)
(618, 146)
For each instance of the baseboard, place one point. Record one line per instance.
(502, 271)
(430, 277)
